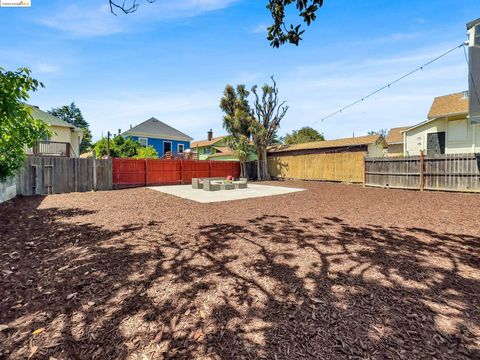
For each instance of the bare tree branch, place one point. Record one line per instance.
(125, 6)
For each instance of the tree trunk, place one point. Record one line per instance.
(259, 173)
(243, 169)
(266, 175)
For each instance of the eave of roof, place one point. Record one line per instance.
(206, 142)
(51, 120)
(326, 144)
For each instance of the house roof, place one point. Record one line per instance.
(346, 142)
(49, 119)
(157, 129)
(226, 153)
(223, 149)
(473, 23)
(203, 143)
(446, 105)
(395, 135)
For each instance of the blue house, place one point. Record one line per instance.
(161, 136)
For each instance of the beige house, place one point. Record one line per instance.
(448, 129)
(394, 141)
(65, 140)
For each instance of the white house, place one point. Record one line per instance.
(448, 129)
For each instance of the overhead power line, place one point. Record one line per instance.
(390, 84)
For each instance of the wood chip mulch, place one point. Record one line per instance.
(334, 272)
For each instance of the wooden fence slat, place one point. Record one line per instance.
(452, 172)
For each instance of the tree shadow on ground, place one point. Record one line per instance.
(271, 287)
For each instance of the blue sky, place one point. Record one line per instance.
(172, 59)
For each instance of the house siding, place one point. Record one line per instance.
(65, 134)
(158, 144)
(395, 150)
(461, 137)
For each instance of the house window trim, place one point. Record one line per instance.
(143, 138)
(171, 146)
(183, 148)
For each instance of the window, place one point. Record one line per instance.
(181, 147)
(143, 141)
(207, 151)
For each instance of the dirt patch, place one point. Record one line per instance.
(333, 272)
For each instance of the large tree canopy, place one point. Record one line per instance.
(18, 129)
(72, 114)
(304, 135)
(279, 33)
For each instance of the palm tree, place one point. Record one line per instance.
(237, 122)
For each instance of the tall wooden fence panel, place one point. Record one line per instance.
(163, 172)
(128, 172)
(56, 175)
(134, 172)
(194, 169)
(452, 172)
(341, 166)
(224, 168)
(402, 173)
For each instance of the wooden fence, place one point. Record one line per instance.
(452, 172)
(55, 175)
(341, 166)
(148, 172)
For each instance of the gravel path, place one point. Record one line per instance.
(334, 272)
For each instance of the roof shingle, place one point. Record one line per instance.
(155, 127)
(201, 143)
(395, 135)
(449, 105)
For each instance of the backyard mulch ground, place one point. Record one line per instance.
(334, 272)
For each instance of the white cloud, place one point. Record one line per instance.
(88, 19)
(260, 29)
(84, 21)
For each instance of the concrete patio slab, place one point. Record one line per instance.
(253, 191)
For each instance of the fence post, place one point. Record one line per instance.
(181, 171)
(94, 157)
(146, 171)
(422, 170)
(365, 170)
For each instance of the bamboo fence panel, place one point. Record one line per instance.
(341, 166)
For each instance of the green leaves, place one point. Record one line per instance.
(18, 129)
(72, 114)
(304, 135)
(279, 33)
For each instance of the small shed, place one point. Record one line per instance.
(331, 160)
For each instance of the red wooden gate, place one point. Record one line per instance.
(149, 172)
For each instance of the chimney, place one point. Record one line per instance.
(210, 135)
(473, 30)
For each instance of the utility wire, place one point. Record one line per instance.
(390, 84)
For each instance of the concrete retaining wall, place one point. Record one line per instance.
(8, 190)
